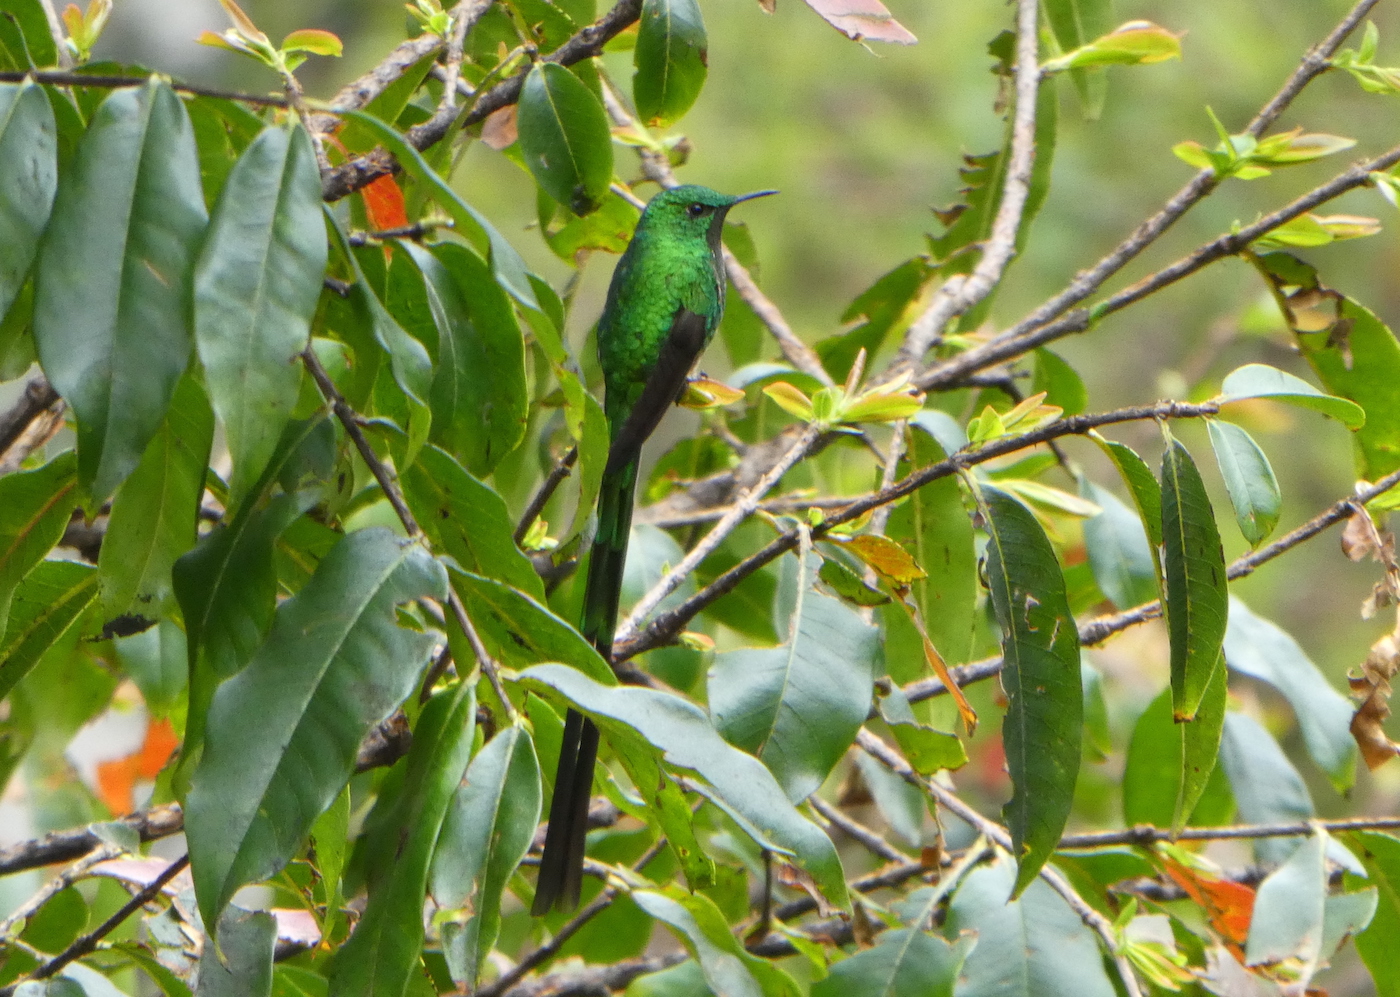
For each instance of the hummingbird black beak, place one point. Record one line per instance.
(750, 197)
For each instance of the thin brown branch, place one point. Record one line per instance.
(364, 88)
(1146, 834)
(108, 82)
(592, 981)
(665, 626)
(660, 515)
(959, 294)
(561, 470)
(1026, 336)
(38, 397)
(1199, 186)
(352, 176)
(87, 943)
(857, 831)
(78, 870)
(464, 17)
(68, 846)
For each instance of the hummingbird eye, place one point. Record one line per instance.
(696, 210)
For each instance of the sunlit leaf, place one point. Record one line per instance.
(29, 148)
(1249, 480)
(672, 56)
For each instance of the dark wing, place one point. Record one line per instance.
(663, 388)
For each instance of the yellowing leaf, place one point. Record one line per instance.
(704, 393)
(790, 399)
(886, 557)
(1137, 43)
(313, 40)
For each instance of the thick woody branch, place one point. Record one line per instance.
(959, 294)
(665, 626)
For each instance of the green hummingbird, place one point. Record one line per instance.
(663, 307)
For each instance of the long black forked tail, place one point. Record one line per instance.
(561, 867)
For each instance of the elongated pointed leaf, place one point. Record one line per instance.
(241, 965)
(156, 513)
(487, 831)
(1290, 906)
(1146, 492)
(933, 526)
(255, 290)
(1197, 601)
(1249, 480)
(564, 137)
(680, 734)
(112, 299)
(26, 41)
(671, 59)
(1119, 552)
(1170, 765)
(698, 924)
(1256, 647)
(1041, 675)
(282, 734)
(383, 954)
(478, 396)
(35, 507)
(51, 599)
(29, 150)
(1380, 854)
(520, 632)
(1076, 23)
(798, 707)
(467, 520)
(1257, 380)
(507, 266)
(1035, 945)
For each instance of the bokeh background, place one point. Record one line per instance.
(863, 142)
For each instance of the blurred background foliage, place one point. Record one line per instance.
(864, 143)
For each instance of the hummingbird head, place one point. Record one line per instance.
(692, 211)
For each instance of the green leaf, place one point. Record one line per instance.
(507, 266)
(1249, 480)
(933, 526)
(1267, 788)
(256, 285)
(1289, 907)
(564, 137)
(241, 965)
(468, 521)
(35, 507)
(111, 300)
(1119, 554)
(283, 732)
(679, 733)
(29, 150)
(156, 660)
(487, 831)
(671, 59)
(1028, 947)
(156, 512)
(478, 396)
(383, 954)
(1380, 854)
(926, 748)
(1063, 386)
(1074, 23)
(905, 962)
(798, 707)
(1136, 43)
(1040, 673)
(1170, 765)
(1197, 601)
(1257, 380)
(47, 603)
(520, 632)
(1260, 649)
(1146, 492)
(222, 130)
(698, 925)
(901, 804)
(25, 39)
(884, 307)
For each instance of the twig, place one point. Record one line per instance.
(561, 470)
(58, 884)
(1202, 184)
(38, 397)
(857, 831)
(591, 981)
(566, 931)
(464, 15)
(87, 943)
(657, 514)
(1097, 630)
(1146, 834)
(364, 88)
(60, 40)
(958, 294)
(728, 523)
(67, 846)
(993, 831)
(588, 42)
(880, 518)
(1025, 337)
(416, 231)
(666, 625)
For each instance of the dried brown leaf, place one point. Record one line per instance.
(862, 20)
(498, 130)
